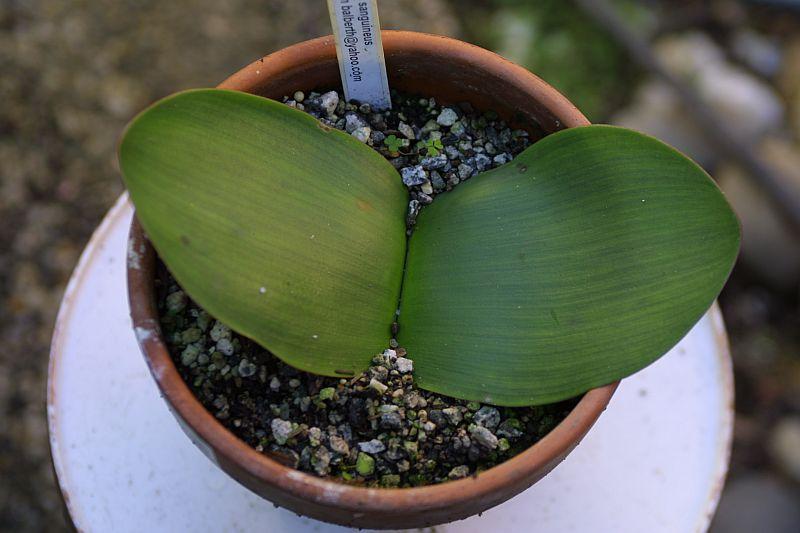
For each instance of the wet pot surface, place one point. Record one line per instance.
(452, 72)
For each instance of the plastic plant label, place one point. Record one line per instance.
(357, 32)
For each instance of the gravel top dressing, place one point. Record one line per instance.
(378, 428)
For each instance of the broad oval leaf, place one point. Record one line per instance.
(580, 262)
(289, 232)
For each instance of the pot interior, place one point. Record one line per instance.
(450, 78)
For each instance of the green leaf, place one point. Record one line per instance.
(393, 144)
(288, 231)
(580, 262)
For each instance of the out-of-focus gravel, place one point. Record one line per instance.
(73, 73)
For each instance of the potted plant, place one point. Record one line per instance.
(580, 261)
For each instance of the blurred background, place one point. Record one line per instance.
(74, 72)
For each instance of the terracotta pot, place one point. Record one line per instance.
(451, 71)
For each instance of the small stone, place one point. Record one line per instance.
(294, 383)
(391, 420)
(488, 417)
(459, 472)
(404, 366)
(452, 152)
(501, 159)
(346, 432)
(353, 122)
(191, 335)
(329, 101)
(424, 199)
(482, 162)
(510, 428)
(379, 373)
(305, 403)
(414, 175)
(225, 346)
(437, 417)
(246, 368)
(373, 446)
(176, 302)
(378, 386)
(299, 96)
(362, 134)
(413, 209)
(430, 127)
(189, 354)
(377, 138)
(338, 445)
(327, 393)
(219, 331)
(434, 162)
(503, 445)
(483, 436)
(275, 384)
(390, 480)
(465, 171)
(447, 117)
(281, 430)
(412, 399)
(453, 415)
(437, 182)
(365, 464)
(203, 320)
(406, 130)
(314, 436)
(321, 460)
(458, 128)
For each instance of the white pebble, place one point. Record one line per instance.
(362, 134)
(281, 430)
(447, 117)
(406, 130)
(404, 366)
(329, 101)
(225, 346)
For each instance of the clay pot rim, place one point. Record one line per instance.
(223, 445)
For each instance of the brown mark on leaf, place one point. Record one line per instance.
(324, 127)
(364, 206)
(345, 372)
(522, 168)
(185, 240)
